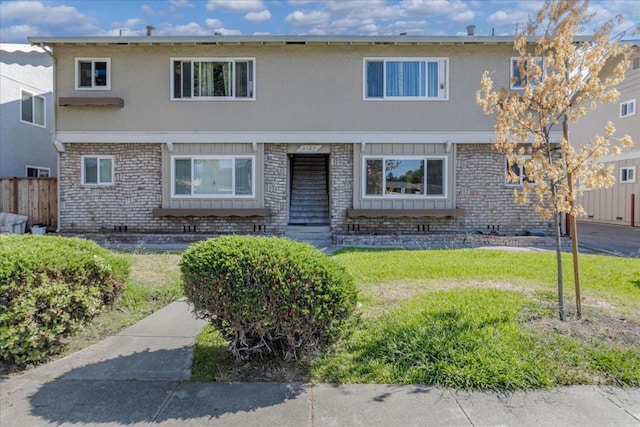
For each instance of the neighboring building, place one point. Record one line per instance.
(377, 138)
(26, 83)
(614, 205)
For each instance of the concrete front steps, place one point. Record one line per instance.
(317, 235)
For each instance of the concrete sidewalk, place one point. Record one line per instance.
(140, 377)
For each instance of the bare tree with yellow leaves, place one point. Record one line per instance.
(559, 79)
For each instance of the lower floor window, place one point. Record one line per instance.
(213, 176)
(97, 170)
(516, 173)
(405, 177)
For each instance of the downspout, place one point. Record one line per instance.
(54, 125)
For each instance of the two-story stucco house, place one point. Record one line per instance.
(616, 204)
(26, 100)
(378, 139)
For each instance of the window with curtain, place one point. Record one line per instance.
(32, 108)
(212, 176)
(415, 78)
(404, 177)
(211, 78)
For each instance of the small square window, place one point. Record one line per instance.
(32, 108)
(520, 75)
(628, 108)
(97, 170)
(93, 73)
(515, 173)
(628, 174)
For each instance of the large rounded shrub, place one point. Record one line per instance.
(268, 296)
(49, 288)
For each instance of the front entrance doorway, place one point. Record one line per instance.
(309, 189)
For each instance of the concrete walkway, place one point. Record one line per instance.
(140, 377)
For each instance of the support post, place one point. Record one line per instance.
(633, 209)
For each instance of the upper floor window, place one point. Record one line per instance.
(97, 170)
(212, 176)
(213, 78)
(93, 73)
(405, 78)
(628, 174)
(31, 108)
(628, 108)
(518, 81)
(405, 177)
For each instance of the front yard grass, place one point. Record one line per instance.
(470, 319)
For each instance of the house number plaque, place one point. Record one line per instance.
(308, 148)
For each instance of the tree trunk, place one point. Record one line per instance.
(559, 259)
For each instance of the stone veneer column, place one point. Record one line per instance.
(341, 197)
(275, 186)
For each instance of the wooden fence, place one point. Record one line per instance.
(36, 198)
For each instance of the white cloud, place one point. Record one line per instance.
(236, 5)
(190, 29)
(314, 17)
(369, 28)
(261, 33)
(509, 17)
(147, 9)
(129, 23)
(299, 2)
(213, 23)
(465, 16)
(265, 15)
(19, 33)
(36, 12)
(177, 4)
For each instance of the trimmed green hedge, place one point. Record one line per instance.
(268, 296)
(49, 288)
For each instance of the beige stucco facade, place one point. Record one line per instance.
(309, 98)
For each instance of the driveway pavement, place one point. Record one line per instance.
(620, 240)
(139, 377)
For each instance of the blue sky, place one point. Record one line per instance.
(20, 19)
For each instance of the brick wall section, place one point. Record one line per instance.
(275, 186)
(128, 202)
(341, 186)
(138, 190)
(480, 190)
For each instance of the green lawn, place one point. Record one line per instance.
(470, 319)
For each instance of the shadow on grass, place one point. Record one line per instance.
(133, 389)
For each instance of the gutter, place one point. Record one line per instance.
(54, 127)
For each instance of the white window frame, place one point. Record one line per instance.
(41, 172)
(521, 174)
(97, 184)
(233, 177)
(233, 60)
(33, 109)
(384, 158)
(513, 63)
(93, 62)
(627, 169)
(443, 76)
(624, 108)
